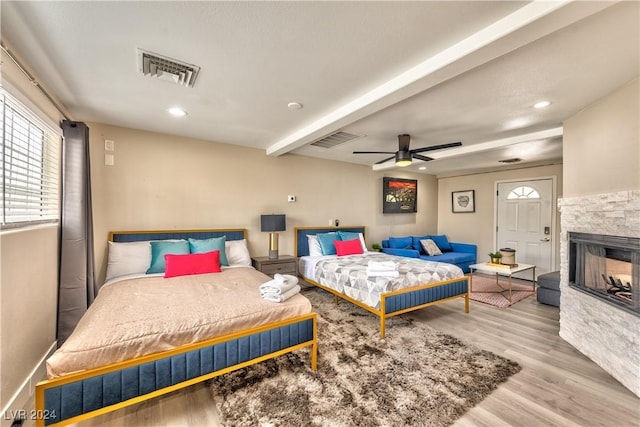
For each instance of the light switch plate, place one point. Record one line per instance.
(109, 145)
(109, 159)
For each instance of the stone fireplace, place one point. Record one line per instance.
(598, 320)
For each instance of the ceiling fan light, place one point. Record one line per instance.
(403, 158)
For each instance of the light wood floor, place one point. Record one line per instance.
(557, 386)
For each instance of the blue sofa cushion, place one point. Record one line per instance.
(451, 257)
(401, 242)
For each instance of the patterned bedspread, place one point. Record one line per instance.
(348, 275)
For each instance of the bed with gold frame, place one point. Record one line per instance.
(86, 394)
(392, 303)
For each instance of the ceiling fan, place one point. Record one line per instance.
(404, 156)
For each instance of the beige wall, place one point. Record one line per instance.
(28, 278)
(29, 295)
(168, 182)
(602, 146)
(478, 227)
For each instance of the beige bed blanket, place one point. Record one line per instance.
(142, 316)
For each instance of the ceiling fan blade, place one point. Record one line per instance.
(421, 157)
(437, 147)
(385, 160)
(403, 142)
(374, 152)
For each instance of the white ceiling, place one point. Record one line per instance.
(440, 71)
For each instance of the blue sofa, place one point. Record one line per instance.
(460, 254)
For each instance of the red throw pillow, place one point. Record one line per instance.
(184, 265)
(348, 247)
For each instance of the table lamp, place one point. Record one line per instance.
(273, 223)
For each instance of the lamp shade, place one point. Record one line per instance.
(272, 223)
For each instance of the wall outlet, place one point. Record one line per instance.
(291, 198)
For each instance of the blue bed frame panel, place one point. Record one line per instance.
(90, 394)
(425, 296)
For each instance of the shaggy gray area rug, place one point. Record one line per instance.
(417, 376)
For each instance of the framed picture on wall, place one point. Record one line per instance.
(399, 195)
(463, 201)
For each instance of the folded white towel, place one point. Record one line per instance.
(282, 297)
(273, 287)
(286, 279)
(280, 284)
(393, 273)
(382, 266)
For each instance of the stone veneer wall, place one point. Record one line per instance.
(607, 335)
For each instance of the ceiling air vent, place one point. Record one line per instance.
(514, 160)
(171, 70)
(335, 139)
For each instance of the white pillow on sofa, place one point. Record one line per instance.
(128, 258)
(430, 247)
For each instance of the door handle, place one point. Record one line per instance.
(546, 239)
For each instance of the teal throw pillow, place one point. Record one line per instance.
(162, 248)
(326, 242)
(200, 246)
(348, 235)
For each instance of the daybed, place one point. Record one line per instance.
(461, 254)
(146, 336)
(420, 283)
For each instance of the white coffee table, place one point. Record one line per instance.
(501, 270)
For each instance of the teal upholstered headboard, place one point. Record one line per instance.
(136, 236)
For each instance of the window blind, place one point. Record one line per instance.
(30, 166)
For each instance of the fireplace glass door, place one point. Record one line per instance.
(606, 267)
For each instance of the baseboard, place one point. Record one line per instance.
(21, 403)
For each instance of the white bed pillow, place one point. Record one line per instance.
(128, 258)
(314, 245)
(362, 242)
(237, 252)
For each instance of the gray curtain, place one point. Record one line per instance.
(77, 288)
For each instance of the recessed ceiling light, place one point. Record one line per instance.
(541, 104)
(422, 168)
(177, 112)
(294, 105)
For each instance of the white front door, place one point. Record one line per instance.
(525, 221)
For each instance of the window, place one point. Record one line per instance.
(30, 166)
(523, 192)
